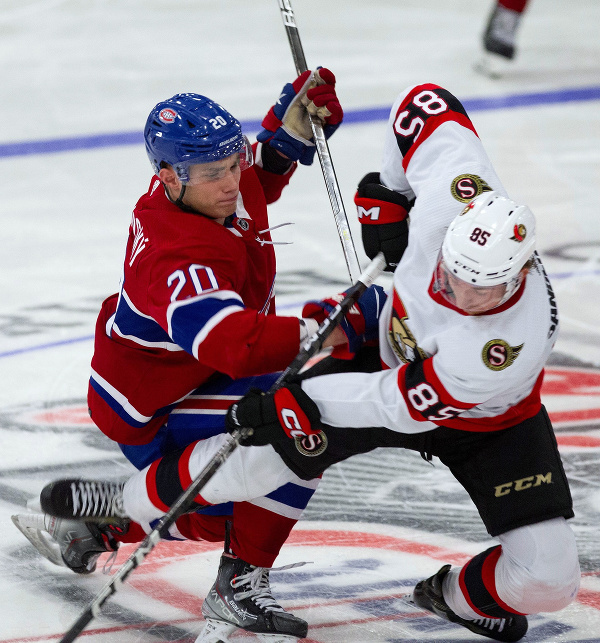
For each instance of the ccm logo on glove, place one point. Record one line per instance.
(291, 416)
(297, 425)
(284, 418)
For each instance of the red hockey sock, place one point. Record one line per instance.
(514, 5)
(133, 534)
(192, 526)
(202, 527)
(257, 534)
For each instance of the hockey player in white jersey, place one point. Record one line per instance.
(464, 337)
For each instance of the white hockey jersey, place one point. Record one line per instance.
(443, 367)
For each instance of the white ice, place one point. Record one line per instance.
(74, 68)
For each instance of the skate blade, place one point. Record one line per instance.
(276, 638)
(32, 526)
(219, 632)
(492, 66)
(216, 632)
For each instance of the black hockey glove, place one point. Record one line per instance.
(287, 419)
(383, 216)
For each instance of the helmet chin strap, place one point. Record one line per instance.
(179, 201)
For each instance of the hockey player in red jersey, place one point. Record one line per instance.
(500, 37)
(464, 337)
(501, 29)
(192, 329)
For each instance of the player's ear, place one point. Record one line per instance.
(169, 177)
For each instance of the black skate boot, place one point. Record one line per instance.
(500, 34)
(428, 595)
(90, 500)
(241, 598)
(82, 543)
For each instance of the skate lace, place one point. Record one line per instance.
(259, 588)
(99, 499)
(491, 623)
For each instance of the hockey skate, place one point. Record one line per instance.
(69, 543)
(90, 500)
(499, 42)
(78, 524)
(428, 595)
(241, 598)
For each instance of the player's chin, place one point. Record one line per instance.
(225, 208)
(477, 310)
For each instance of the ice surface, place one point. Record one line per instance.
(72, 69)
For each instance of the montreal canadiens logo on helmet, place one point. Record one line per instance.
(167, 115)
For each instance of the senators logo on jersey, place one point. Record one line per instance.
(401, 338)
(466, 187)
(498, 354)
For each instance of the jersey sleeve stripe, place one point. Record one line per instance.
(423, 109)
(190, 321)
(211, 404)
(210, 325)
(434, 380)
(134, 326)
(168, 346)
(122, 406)
(424, 394)
(430, 128)
(402, 385)
(117, 401)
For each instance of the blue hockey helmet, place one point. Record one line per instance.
(188, 129)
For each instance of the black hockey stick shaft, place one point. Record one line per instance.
(331, 182)
(312, 346)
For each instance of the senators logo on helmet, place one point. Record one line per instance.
(519, 233)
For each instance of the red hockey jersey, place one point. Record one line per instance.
(196, 299)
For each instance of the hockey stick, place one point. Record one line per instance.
(312, 346)
(335, 197)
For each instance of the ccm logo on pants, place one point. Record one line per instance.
(523, 483)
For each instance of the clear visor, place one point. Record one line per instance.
(216, 166)
(469, 298)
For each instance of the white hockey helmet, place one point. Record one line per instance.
(488, 244)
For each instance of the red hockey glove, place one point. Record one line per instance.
(383, 216)
(287, 124)
(361, 322)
